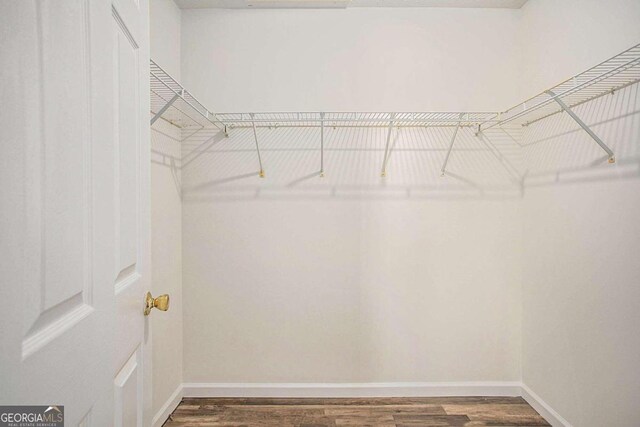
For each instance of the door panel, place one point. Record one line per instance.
(58, 197)
(127, 127)
(128, 391)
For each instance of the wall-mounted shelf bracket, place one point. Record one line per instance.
(386, 148)
(453, 139)
(321, 145)
(583, 125)
(165, 108)
(255, 136)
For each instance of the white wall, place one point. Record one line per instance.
(380, 59)
(166, 36)
(166, 215)
(581, 232)
(351, 291)
(350, 278)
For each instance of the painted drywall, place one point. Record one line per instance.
(350, 277)
(166, 216)
(581, 233)
(165, 34)
(333, 291)
(378, 59)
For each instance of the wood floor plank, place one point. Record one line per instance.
(358, 420)
(339, 412)
(492, 414)
(431, 420)
(385, 410)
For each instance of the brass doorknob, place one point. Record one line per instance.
(161, 303)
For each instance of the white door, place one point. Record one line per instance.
(74, 177)
(132, 197)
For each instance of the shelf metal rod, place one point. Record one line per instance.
(386, 148)
(379, 122)
(164, 108)
(321, 145)
(255, 136)
(453, 139)
(582, 124)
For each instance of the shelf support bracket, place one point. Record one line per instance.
(386, 148)
(453, 139)
(164, 108)
(321, 145)
(586, 128)
(255, 136)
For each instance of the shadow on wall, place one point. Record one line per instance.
(497, 164)
(166, 150)
(557, 151)
(228, 168)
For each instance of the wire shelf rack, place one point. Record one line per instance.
(173, 103)
(605, 78)
(354, 119)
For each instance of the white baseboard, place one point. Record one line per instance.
(170, 405)
(543, 408)
(352, 389)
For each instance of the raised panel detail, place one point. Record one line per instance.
(59, 196)
(127, 130)
(128, 393)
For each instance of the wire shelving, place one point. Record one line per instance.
(605, 78)
(173, 103)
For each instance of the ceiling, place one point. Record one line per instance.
(253, 4)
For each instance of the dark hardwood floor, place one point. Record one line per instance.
(381, 412)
